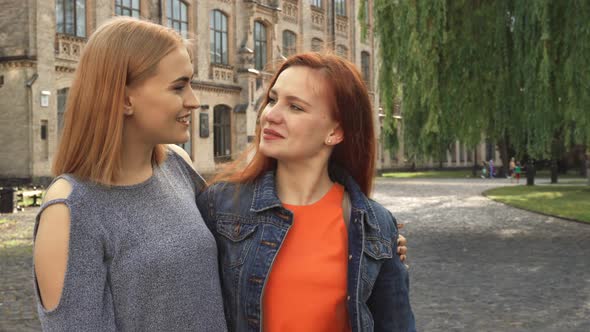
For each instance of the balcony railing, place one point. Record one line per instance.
(342, 26)
(290, 11)
(223, 73)
(68, 47)
(318, 18)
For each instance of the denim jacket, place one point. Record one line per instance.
(250, 224)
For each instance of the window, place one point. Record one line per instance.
(366, 66)
(70, 17)
(222, 133)
(44, 155)
(317, 3)
(260, 45)
(127, 8)
(62, 96)
(342, 51)
(317, 45)
(218, 37)
(289, 43)
(177, 13)
(340, 7)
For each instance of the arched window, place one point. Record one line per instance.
(177, 14)
(260, 45)
(218, 41)
(70, 17)
(342, 51)
(317, 45)
(127, 8)
(289, 43)
(222, 132)
(317, 3)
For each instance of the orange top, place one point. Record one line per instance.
(306, 288)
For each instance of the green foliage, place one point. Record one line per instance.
(512, 71)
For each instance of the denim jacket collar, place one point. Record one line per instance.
(358, 200)
(266, 197)
(265, 193)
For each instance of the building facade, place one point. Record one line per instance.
(236, 44)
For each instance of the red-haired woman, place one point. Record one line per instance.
(119, 242)
(301, 246)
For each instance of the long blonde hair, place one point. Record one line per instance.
(120, 53)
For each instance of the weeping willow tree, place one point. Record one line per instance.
(510, 71)
(552, 38)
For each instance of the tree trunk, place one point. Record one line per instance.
(503, 147)
(583, 166)
(475, 166)
(530, 173)
(557, 150)
(554, 171)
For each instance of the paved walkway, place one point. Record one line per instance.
(475, 265)
(17, 304)
(478, 265)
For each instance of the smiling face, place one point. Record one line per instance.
(297, 124)
(159, 109)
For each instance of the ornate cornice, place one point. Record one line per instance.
(17, 64)
(216, 87)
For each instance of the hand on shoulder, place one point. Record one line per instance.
(180, 151)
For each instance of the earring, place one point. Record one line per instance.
(329, 141)
(128, 110)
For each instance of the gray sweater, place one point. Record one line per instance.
(140, 257)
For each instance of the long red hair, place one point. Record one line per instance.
(352, 109)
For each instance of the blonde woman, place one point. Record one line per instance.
(119, 241)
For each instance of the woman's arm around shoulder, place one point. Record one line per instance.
(180, 151)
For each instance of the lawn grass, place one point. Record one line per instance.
(571, 202)
(547, 174)
(446, 174)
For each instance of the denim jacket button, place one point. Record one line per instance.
(349, 257)
(348, 298)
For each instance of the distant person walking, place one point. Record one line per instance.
(511, 168)
(484, 170)
(517, 171)
(491, 168)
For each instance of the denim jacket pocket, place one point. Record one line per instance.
(235, 240)
(376, 250)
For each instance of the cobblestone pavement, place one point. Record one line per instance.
(478, 265)
(475, 265)
(17, 303)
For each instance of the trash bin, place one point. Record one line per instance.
(6, 200)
